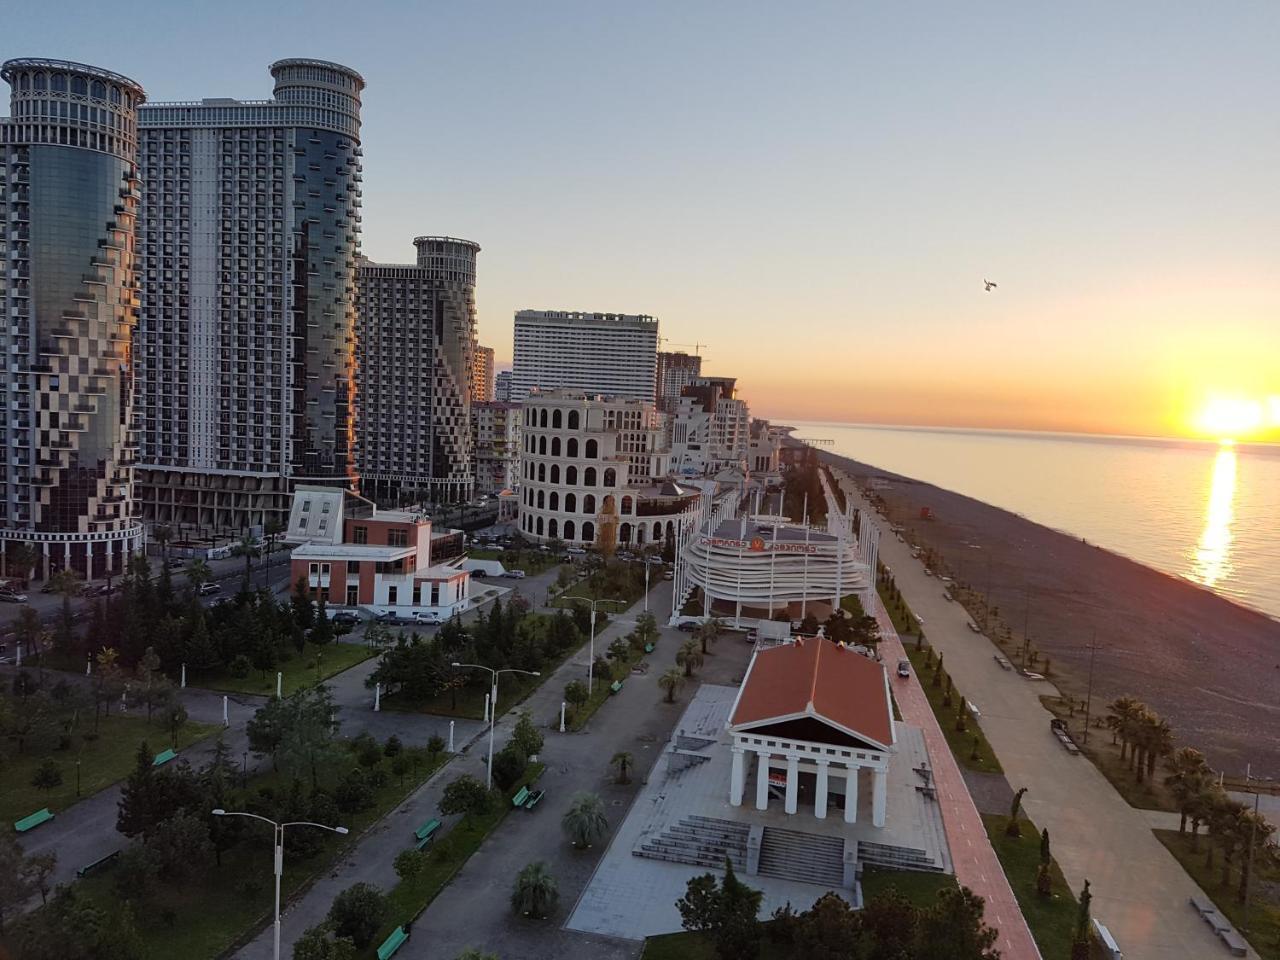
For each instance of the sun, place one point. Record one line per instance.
(1231, 418)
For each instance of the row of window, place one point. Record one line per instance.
(538, 445)
(589, 475)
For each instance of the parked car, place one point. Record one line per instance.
(688, 626)
(428, 617)
(209, 589)
(177, 563)
(946, 595)
(668, 575)
(102, 590)
(345, 616)
(653, 560)
(904, 668)
(515, 574)
(8, 596)
(974, 627)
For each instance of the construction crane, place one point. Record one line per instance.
(697, 347)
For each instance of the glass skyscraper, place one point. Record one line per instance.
(69, 197)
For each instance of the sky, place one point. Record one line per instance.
(815, 192)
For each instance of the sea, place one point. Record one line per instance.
(1206, 512)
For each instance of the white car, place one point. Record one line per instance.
(8, 596)
(946, 595)
(428, 617)
(515, 574)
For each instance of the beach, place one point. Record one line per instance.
(1209, 666)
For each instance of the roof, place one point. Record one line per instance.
(816, 678)
(350, 551)
(782, 532)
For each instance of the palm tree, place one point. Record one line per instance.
(1013, 828)
(1199, 807)
(670, 682)
(1255, 834)
(246, 547)
(709, 632)
(585, 821)
(623, 760)
(198, 574)
(689, 656)
(162, 533)
(1188, 774)
(66, 583)
(272, 529)
(646, 629)
(535, 893)
(1121, 712)
(1159, 743)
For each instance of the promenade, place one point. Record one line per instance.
(1139, 891)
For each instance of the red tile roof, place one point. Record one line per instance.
(818, 678)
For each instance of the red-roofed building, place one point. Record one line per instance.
(815, 714)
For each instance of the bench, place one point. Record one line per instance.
(101, 861)
(534, 798)
(521, 796)
(648, 648)
(616, 686)
(163, 757)
(392, 943)
(1235, 943)
(32, 821)
(425, 832)
(1004, 664)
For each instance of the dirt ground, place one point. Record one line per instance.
(1210, 666)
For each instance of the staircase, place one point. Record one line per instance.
(804, 857)
(896, 858)
(700, 841)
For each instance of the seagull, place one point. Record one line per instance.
(989, 284)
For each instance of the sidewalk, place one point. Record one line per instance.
(1139, 891)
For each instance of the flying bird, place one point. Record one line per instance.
(989, 284)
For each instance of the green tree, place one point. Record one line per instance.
(309, 736)
(623, 760)
(953, 928)
(509, 766)
(535, 893)
(709, 632)
(47, 775)
(19, 558)
(266, 728)
(585, 822)
(246, 547)
(198, 574)
(357, 913)
(1044, 872)
(65, 583)
(464, 794)
(690, 656)
(273, 530)
(303, 608)
(322, 632)
(671, 681)
(410, 864)
(828, 930)
(700, 906)
(576, 694)
(526, 736)
(318, 943)
(175, 718)
(1014, 828)
(1080, 939)
(728, 914)
(646, 630)
(180, 845)
(19, 875)
(1189, 774)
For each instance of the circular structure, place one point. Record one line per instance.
(74, 104)
(326, 95)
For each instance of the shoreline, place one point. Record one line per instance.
(1208, 664)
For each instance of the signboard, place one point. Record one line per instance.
(760, 545)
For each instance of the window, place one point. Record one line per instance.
(555, 444)
(572, 447)
(324, 569)
(610, 477)
(353, 595)
(323, 523)
(359, 534)
(551, 528)
(391, 595)
(302, 523)
(435, 594)
(589, 477)
(398, 538)
(626, 505)
(589, 503)
(568, 529)
(570, 503)
(554, 502)
(313, 569)
(542, 500)
(573, 419)
(588, 531)
(324, 507)
(306, 506)
(555, 422)
(542, 473)
(542, 445)
(555, 473)
(593, 450)
(542, 422)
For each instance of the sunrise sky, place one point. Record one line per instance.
(816, 191)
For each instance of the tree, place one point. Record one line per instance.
(690, 656)
(464, 794)
(646, 630)
(20, 875)
(409, 864)
(322, 632)
(154, 688)
(585, 822)
(623, 761)
(576, 694)
(535, 893)
(65, 583)
(393, 747)
(1080, 940)
(526, 736)
(709, 632)
(308, 736)
(273, 530)
(1188, 775)
(38, 871)
(509, 766)
(357, 913)
(827, 930)
(317, 943)
(727, 914)
(1013, 828)
(1044, 873)
(19, 558)
(246, 547)
(953, 928)
(175, 718)
(47, 775)
(400, 765)
(198, 574)
(889, 921)
(699, 907)
(265, 729)
(180, 844)
(670, 681)
(303, 609)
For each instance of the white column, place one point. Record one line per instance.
(737, 777)
(226, 719)
(377, 697)
(762, 782)
(793, 783)
(279, 684)
(878, 789)
(820, 797)
(851, 795)
(451, 736)
(66, 555)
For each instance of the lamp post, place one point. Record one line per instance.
(591, 663)
(278, 843)
(493, 702)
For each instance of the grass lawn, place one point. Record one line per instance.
(222, 906)
(975, 757)
(103, 761)
(298, 672)
(1052, 920)
(1264, 909)
(446, 857)
(918, 887)
(530, 561)
(902, 621)
(593, 589)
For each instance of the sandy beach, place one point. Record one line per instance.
(1210, 666)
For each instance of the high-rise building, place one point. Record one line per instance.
(502, 386)
(609, 354)
(248, 240)
(482, 375)
(709, 427)
(495, 432)
(416, 344)
(675, 372)
(69, 195)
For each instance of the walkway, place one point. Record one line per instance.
(1139, 891)
(976, 864)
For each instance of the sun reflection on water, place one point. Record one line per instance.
(1212, 560)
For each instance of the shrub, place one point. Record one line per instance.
(357, 913)
(509, 766)
(353, 793)
(239, 666)
(393, 746)
(464, 794)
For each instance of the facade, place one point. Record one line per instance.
(69, 197)
(355, 555)
(502, 386)
(248, 241)
(710, 427)
(495, 429)
(417, 351)
(482, 375)
(592, 462)
(675, 372)
(610, 354)
(814, 715)
(764, 446)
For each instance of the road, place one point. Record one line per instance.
(1139, 891)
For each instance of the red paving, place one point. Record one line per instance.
(976, 864)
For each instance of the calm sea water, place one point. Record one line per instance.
(1205, 512)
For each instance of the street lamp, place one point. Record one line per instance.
(591, 663)
(278, 837)
(493, 701)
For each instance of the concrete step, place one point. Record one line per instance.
(803, 857)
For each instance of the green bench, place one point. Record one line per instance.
(424, 834)
(521, 796)
(32, 821)
(527, 798)
(534, 798)
(101, 861)
(392, 943)
(648, 648)
(163, 757)
(616, 686)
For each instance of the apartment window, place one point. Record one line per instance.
(324, 507)
(313, 569)
(397, 538)
(391, 595)
(353, 595)
(306, 506)
(359, 534)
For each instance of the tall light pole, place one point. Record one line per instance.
(591, 663)
(278, 838)
(493, 701)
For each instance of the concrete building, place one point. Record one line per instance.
(502, 386)
(594, 462)
(764, 446)
(607, 354)
(709, 427)
(417, 350)
(386, 561)
(482, 375)
(495, 429)
(676, 370)
(248, 239)
(69, 196)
